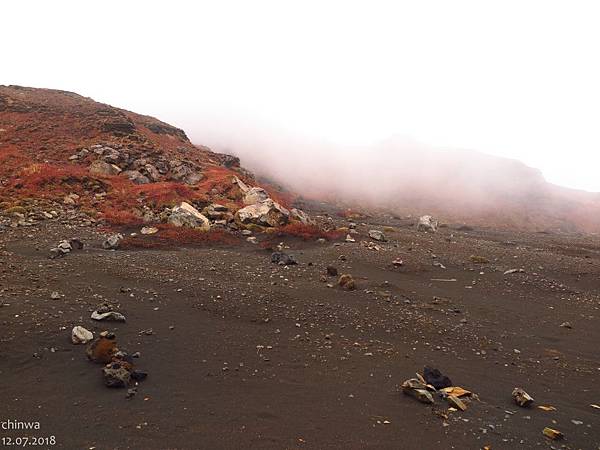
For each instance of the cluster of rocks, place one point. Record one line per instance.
(140, 166)
(35, 213)
(65, 247)
(260, 211)
(119, 370)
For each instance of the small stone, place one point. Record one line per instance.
(131, 392)
(112, 242)
(347, 282)
(553, 434)
(522, 398)
(117, 374)
(377, 235)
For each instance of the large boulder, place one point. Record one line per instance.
(185, 215)
(215, 211)
(267, 213)
(427, 223)
(300, 216)
(136, 177)
(255, 195)
(103, 168)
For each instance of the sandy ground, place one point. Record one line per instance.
(244, 353)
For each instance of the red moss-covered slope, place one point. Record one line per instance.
(49, 139)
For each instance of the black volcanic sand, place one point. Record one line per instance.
(244, 353)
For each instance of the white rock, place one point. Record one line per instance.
(267, 213)
(80, 335)
(149, 230)
(427, 223)
(110, 315)
(112, 242)
(185, 215)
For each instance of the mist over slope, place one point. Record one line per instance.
(411, 178)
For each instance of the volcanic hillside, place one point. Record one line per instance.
(58, 148)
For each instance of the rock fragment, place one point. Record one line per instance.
(427, 223)
(346, 281)
(112, 242)
(283, 259)
(417, 389)
(117, 374)
(436, 378)
(377, 235)
(107, 312)
(103, 348)
(553, 434)
(149, 230)
(522, 398)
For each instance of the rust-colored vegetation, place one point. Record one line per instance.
(171, 236)
(307, 232)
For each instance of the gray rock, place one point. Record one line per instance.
(267, 213)
(427, 223)
(136, 177)
(255, 195)
(117, 374)
(377, 235)
(283, 259)
(106, 311)
(112, 242)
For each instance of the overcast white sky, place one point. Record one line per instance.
(513, 78)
